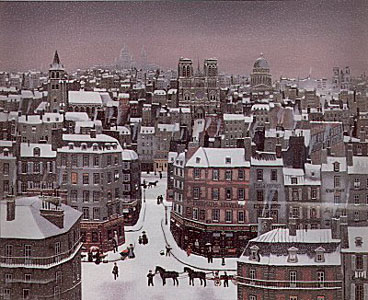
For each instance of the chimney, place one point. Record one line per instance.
(92, 133)
(324, 155)
(192, 148)
(10, 208)
(264, 225)
(292, 226)
(344, 232)
(278, 151)
(52, 213)
(349, 155)
(248, 148)
(335, 229)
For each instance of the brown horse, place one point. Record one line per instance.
(167, 274)
(195, 274)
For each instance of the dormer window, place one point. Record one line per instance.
(107, 145)
(358, 241)
(292, 257)
(294, 180)
(84, 146)
(36, 152)
(320, 254)
(114, 146)
(254, 253)
(71, 146)
(198, 160)
(228, 160)
(95, 147)
(336, 167)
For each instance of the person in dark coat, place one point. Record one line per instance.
(144, 238)
(150, 276)
(140, 240)
(160, 175)
(226, 280)
(115, 271)
(114, 245)
(131, 251)
(98, 258)
(168, 250)
(158, 200)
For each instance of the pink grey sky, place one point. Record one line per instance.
(293, 35)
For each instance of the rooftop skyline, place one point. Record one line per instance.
(295, 37)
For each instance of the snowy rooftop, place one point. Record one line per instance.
(354, 234)
(84, 97)
(168, 127)
(87, 138)
(360, 165)
(28, 150)
(331, 160)
(28, 222)
(218, 157)
(129, 155)
(147, 130)
(234, 117)
(76, 116)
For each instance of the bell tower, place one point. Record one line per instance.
(57, 87)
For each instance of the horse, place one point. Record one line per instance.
(195, 274)
(167, 274)
(152, 183)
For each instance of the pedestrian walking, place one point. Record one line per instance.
(160, 175)
(158, 200)
(189, 250)
(144, 238)
(131, 251)
(168, 250)
(98, 258)
(140, 239)
(115, 271)
(226, 280)
(150, 276)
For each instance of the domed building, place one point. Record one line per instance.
(261, 77)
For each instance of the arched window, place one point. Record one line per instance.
(184, 71)
(36, 152)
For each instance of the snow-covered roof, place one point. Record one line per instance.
(104, 138)
(76, 116)
(27, 150)
(360, 165)
(121, 129)
(29, 224)
(218, 158)
(329, 166)
(147, 130)
(127, 154)
(266, 161)
(172, 91)
(159, 93)
(234, 117)
(26, 94)
(169, 127)
(84, 97)
(123, 95)
(355, 233)
(172, 156)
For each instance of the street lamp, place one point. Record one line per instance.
(223, 248)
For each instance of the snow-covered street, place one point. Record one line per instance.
(98, 282)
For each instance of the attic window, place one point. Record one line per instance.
(254, 255)
(36, 152)
(336, 167)
(84, 146)
(294, 180)
(71, 146)
(358, 241)
(114, 146)
(293, 257)
(198, 160)
(228, 160)
(320, 254)
(95, 147)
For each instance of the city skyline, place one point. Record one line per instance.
(294, 37)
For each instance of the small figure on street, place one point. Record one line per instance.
(144, 238)
(98, 258)
(115, 271)
(131, 251)
(150, 276)
(226, 280)
(114, 245)
(115, 241)
(158, 200)
(168, 250)
(217, 280)
(161, 199)
(196, 244)
(90, 256)
(189, 250)
(160, 175)
(140, 239)
(209, 255)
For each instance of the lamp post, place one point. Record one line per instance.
(165, 214)
(223, 248)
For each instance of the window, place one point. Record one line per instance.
(36, 167)
(336, 199)
(228, 160)
(356, 199)
(356, 216)
(74, 160)
(295, 194)
(109, 177)
(358, 241)
(252, 274)
(240, 174)
(74, 177)
(273, 175)
(228, 193)
(294, 180)
(85, 178)
(196, 192)
(96, 213)
(241, 194)
(216, 215)
(215, 175)
(337, 181)
(321, 278)
(336, 167)
(275, 195)
(197, 173)
(5, 169)
(96, 160)
(8, 278)
(215, 193)
(259, 195)
(108, 160)
(195, 213)
(314, 193)
(292, 278)
(359, 262)
(228, 216)
(27, 253)
(27, 277)
(293, 298)
(25, 168)
(116, 175)
(259, 174)
(6, 186)
(85, 196)
(356, 183)
(85, 211)
(74, 195)
(359, 292)
(96, 178)
(126, 177)
(252, 297)
(202, 214)
(6, 294)
(241, 218)
(228, 175)
(295, 212)
(26, 294)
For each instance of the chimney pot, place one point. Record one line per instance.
(10, 209)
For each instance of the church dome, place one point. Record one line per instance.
(261, 62)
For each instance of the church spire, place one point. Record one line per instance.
(56, 65)
(56, 58)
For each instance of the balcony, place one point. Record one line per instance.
(40, 262)
(277, 284)
(360, 274)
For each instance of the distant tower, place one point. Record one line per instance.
(260, 76)
(57, 88)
